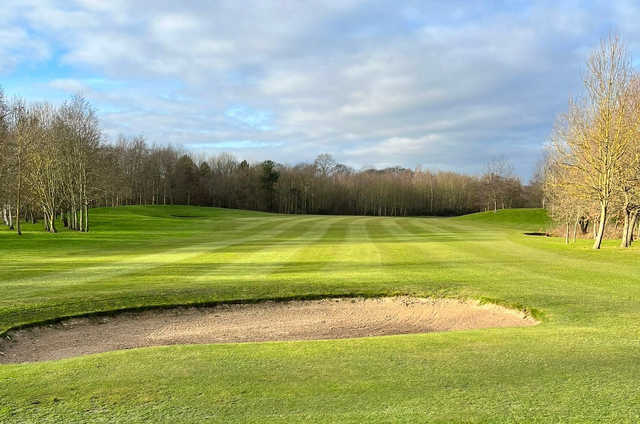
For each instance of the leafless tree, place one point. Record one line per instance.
(592, 137)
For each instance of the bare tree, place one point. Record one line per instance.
(325, 164)
(77, 125)
(628, 175)
(499, 180)
(45, 162)
(592, 139)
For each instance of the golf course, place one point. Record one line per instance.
(580, 363)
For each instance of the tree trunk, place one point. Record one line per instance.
(18, 199)
(52, 223)
(603, 221)
(566, 233)
(626, 228)
(86, 218)
(18, 218)
(628, 235)
(634, 226)
(584, 224)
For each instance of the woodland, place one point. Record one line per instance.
(55, 165)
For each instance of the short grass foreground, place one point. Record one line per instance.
(582, 364)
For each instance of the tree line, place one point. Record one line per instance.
(592, 172)
(47, 155)
(137, 173)
(55, 165)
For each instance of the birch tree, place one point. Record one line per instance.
(44, 162)
(5, 161)
(78, 128)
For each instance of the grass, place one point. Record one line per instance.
(582, 364)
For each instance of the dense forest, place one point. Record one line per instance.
(592, 173)
(162, 175)
(55, 166)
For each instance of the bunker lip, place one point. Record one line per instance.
(331, 318)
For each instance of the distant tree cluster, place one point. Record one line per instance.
(592, 176)
(55, 166)
(141, 174)
(47, 155)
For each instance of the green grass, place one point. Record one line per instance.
(582, 364)
(525, 219)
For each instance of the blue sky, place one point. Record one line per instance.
(441, 85)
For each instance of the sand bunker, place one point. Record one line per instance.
(295, 320)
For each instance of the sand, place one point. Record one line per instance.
(267, 321)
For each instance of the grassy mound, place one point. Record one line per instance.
(526, 219)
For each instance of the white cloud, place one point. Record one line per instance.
(17, 47)
(69, 85)
(417, 83)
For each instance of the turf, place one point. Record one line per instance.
(582, 364)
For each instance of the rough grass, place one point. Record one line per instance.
(582, 364)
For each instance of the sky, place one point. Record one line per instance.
(432, 84)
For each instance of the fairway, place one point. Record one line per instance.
(581, 364)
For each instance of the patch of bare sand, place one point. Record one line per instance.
(268, 321)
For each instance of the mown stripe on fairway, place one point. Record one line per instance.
(148, 264)
(142, 263)
(256, 261)
(435, 250)
(316, 254)
(508, 263)
(330, 254)
(24, 304)
(407, 265)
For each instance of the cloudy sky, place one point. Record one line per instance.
(442, 85)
